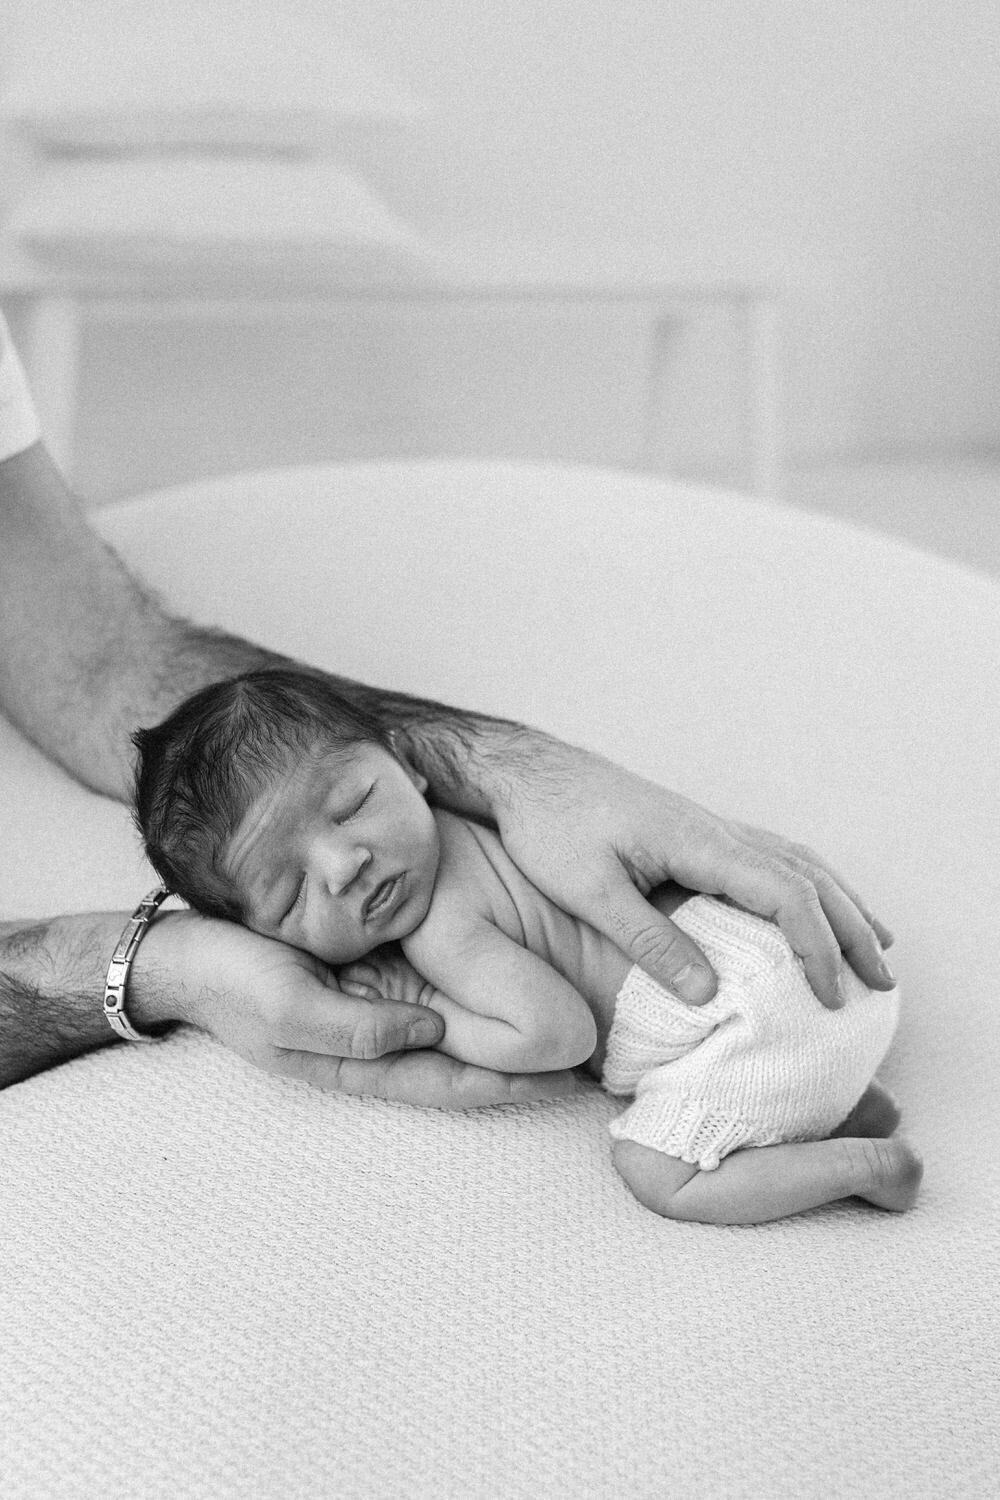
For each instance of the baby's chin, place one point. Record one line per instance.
(419, 905)
(405, 921)
(412, 912)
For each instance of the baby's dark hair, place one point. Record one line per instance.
(199, 771)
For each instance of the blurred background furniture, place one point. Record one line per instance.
(838, 155)
(295, 1294)
(199, 167)
(243, 270)
(180, 147)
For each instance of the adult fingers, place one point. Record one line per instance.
(768, 884)
(854, 926)
(809, 860)
(762, 873)
(856, 929)
(652, 941)
(427, 1079)
(350, 1026)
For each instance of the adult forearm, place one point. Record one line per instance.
(52, 976)
(88, 653)
(51, 983)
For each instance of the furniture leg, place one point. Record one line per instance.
(757, 322)
(654, 454)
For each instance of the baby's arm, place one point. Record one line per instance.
(503, 1007)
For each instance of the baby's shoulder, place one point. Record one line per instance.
(469, 889)
(469, 850)
(477, 868)
(461, 887)
(465, 848)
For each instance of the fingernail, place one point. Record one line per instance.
(886, 972)
(423, 1032)
(693, 983)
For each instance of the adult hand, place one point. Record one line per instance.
(596, 839)
(280, 1009)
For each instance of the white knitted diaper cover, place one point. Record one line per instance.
(763, 1062)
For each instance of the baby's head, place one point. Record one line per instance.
(271, 800)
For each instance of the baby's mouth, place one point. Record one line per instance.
(381, 897)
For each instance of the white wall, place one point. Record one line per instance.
(849, 151)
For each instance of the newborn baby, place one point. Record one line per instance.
(271, 801)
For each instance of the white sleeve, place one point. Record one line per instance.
(18, 420)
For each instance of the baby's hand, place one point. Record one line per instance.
(386, 975)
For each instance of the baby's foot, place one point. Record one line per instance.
(893, 1171)
(876, 1114)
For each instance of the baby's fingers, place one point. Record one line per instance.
(360, 990)
(362, 979)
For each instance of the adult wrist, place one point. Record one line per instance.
(120, 967)
(157, 992)
(519, 762)
(500, 757)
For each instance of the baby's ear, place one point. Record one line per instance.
(418, 779)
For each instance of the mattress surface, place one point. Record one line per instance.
(218, 1283)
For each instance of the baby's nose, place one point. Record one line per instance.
(344, 865)
(360, 859)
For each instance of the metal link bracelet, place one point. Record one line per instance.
(121, 963)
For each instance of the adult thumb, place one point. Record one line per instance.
(659, 947)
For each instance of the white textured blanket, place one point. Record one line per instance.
(215, 1283)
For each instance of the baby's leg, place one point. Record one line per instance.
(875, 1114)
(770, 1182)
